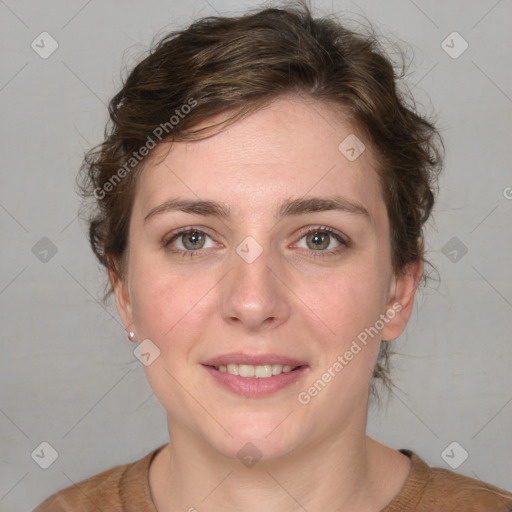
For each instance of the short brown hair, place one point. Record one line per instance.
(240, 64)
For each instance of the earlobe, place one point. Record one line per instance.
(401, 301)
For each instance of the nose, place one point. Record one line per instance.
(254, 296)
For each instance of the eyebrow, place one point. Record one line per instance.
(289, 207)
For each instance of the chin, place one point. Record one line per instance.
(250, 433)
(249, 451)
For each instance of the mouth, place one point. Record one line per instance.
(255, 376)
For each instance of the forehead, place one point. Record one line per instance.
(291, 148)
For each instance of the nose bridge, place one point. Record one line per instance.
(252, 295)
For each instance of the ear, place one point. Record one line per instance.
(122, 296)
(401, 300)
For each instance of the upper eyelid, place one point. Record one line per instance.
(182, 231)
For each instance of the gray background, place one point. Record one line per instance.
(69, 376)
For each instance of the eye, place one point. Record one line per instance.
(188, 240)
(323, 239)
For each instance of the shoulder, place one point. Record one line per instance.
(99, 490)
(464, 493)
(107, 491)
(435, 489)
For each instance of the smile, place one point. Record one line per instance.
(256, 381)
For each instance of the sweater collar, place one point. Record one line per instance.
(412, 491)
(134, 488)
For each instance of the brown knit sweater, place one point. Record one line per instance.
(126, 489)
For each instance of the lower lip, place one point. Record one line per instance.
(254, 387)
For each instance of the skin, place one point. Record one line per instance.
(287, 301)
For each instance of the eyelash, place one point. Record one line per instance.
(315, 254)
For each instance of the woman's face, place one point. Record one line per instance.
(244, 283)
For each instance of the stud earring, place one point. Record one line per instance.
(131, 335)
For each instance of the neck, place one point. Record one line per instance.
(347, 471)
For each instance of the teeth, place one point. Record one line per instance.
(246, 370)
(263, 371)
(277, 369)
(233, 369)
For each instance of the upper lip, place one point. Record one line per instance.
(255, 360)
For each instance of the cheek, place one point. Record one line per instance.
(167, 306)
(347, 307)
(345, 302)
(169, 310)
(154, 303)
(346, 310)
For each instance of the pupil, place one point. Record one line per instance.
(320, 241)
(193, 239)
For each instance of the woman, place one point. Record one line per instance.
(261, 195)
